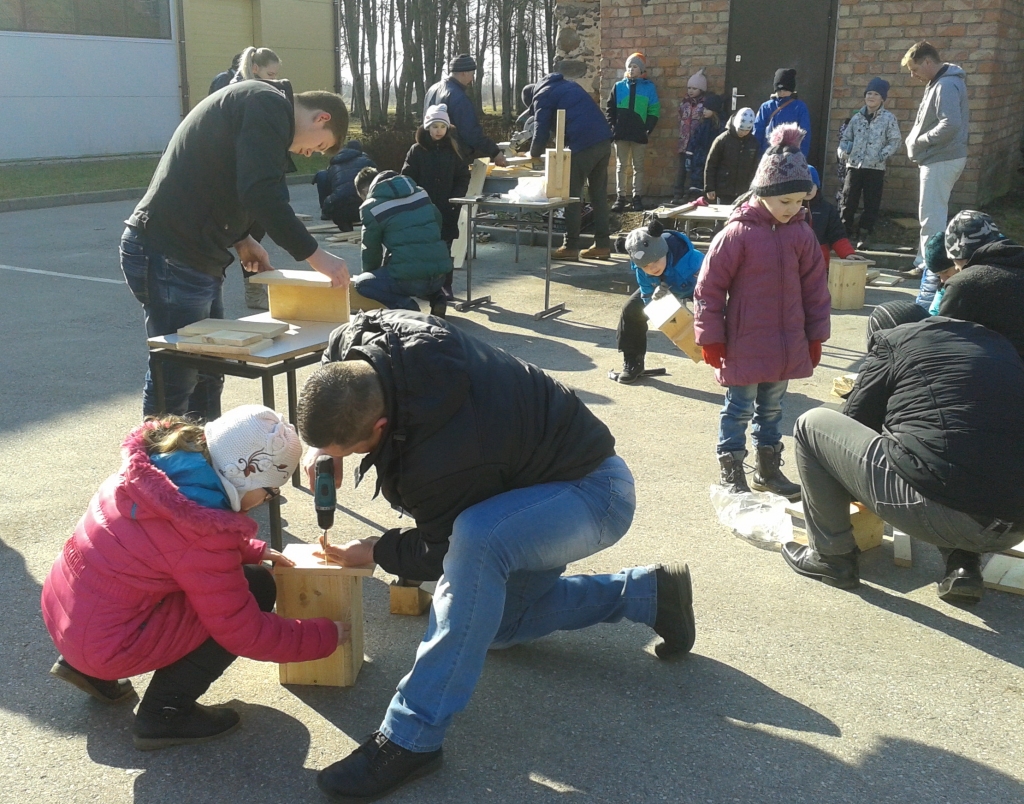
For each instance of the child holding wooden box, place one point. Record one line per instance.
(163, 573)
(762, 311)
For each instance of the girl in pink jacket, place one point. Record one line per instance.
(163, 573)
(762, 310)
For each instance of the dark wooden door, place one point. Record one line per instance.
(767, 34)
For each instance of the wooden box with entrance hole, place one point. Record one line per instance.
(308, 296)
(313, 588)
(847, 280)
(668, 315)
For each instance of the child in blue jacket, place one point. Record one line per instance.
(657, 258)
(633, 112)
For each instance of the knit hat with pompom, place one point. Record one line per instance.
(783, 169)
(646, 244)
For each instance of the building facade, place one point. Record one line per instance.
(837, 46)
(111, 77)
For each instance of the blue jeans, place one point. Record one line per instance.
(396, 294)
(763, 402)
(173, 295)
(503, 585)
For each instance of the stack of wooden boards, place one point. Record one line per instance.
(226, 338)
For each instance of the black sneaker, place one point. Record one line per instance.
(439, 307)
(840, 571)
(182, 725)
(638, 204)
(963, 582)
(376, 768)
(620, 204)
(632, 370)
(109, 692)
(674, 622)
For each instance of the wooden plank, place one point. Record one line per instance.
(907, 223)
(476, 186)
(902, 549)
(846, 282)
(302, 216)
(228, 337)
(301, 338)
(322, 227)
(560, 130)
(291, 277)
(868, 528)
(408, 600)
(1005, 573)
(304, 296)
(268, 329)
(314, 588)
(223, 351)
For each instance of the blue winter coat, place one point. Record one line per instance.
(337, 186)
(795, 111)
(585, 125)
(701, 139)
(473, 143)
(681, 269)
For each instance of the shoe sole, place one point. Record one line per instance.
(154, 743)
(825, 579)
(686, 600)
(761, 487)
(76, 679)
(431, 767)
(965, 595)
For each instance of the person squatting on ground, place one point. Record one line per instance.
(403, 254)
(938, 268)
(221, 80)
(508, 478)
(588, 136)
(828, 226)
(336, 186)
(870, 138)
(658, 259)
(701, 139)
(691, 112)
(931, 439)
(966, 233)
(762, 310)
(453, 93)
(732, 160)
(633, 111)
(435, 164)
(220, 185)
(163, 573)
(781, 108)
(937, 142)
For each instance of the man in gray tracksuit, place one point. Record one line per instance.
(938, 141)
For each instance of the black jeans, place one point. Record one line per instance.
(632, 331)
(869, 182)
(181, 683)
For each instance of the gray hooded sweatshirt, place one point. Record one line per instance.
(941, 128)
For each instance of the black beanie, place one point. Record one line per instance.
(463, 63)
(785, 78)
(714, 102)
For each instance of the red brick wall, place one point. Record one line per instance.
(982, 36)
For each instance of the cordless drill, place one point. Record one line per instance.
(324, 497)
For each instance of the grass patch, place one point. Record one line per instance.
(57, 178)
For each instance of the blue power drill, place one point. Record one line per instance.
(324, 495)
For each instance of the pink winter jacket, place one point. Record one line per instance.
(763, 292)
(149, 575)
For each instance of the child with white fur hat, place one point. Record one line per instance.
(163, 574)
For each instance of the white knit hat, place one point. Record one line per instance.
(744, 119)
(435, 114)
(252, 447)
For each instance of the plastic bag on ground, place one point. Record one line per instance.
(758, 517)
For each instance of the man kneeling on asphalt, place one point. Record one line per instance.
(932, 441)
(509, 478)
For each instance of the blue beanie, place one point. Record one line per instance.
(814, 176)
(879, 85)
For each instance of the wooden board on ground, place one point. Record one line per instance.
(322, 227)
(302, 216)
(1005, 573)
(907, 223)
(313, 588)
(668, 315)
(408, 600)
(304, 296)
(886, 281)
(476, 186)
(868, 528)
(221, 350)
(346, 237)
(268, 329)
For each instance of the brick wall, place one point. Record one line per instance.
(982, 36)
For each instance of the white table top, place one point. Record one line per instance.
(712, 212)
(301, 338)
(551, 203)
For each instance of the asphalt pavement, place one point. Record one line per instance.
(795, 692)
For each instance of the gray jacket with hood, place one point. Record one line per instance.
(941, 128)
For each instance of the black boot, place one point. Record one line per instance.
(185, 724)
(110, 692)
(768, 476)
(674, 622)
(376, 768)
(439, 306)
(840, 571)
(733, 476)
(632, 369)
(963, 582)
(620, 204)
(638, 204)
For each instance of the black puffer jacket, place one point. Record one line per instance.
(438, 169)
(731, 164)
(466, 421)
(990, 291)
(949, 396)
(342, 200)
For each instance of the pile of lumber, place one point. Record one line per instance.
(227, 338)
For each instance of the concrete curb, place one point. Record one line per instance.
(98, 197)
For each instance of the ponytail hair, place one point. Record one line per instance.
(163, 434)
(253, 57)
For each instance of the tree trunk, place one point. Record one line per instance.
(353, 39)
(371, 17)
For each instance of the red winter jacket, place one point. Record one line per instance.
(763, 292)
(149, 575)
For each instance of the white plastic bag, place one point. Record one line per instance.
(529, 188)
(758, 517)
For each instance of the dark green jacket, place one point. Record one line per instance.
(399, 218)
(222, 177)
